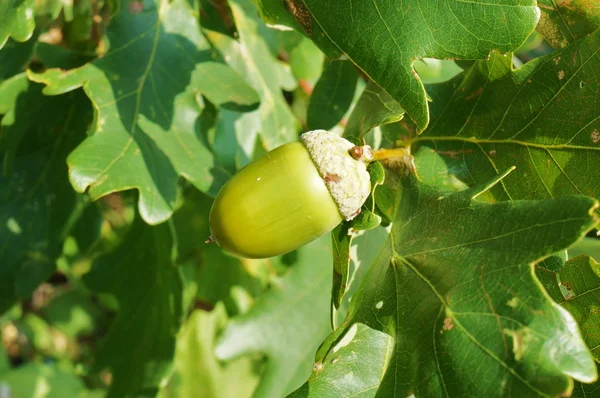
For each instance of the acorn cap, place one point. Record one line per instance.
(346, 178)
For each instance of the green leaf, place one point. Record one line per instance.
(587, 246)
(74, 313)
(492, 118)
(577, 293)
(13, 58)
(306, 60)
(217, 272)
(355, 365)
(343, 234)
(586, 390)
(37, 204)
(384, 38)
(332, 95)
(253, 60)
(433, 70)
(461, 302)
(374, 108)
(18, 20)
(41, 380)
(580, 281)
(287, 323)
(564, 22)
(146, 134)
(4, 364)
(141, 277)
(197, 372)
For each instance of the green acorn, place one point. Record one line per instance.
(291, 196)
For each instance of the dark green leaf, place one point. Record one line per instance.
(564, 22)
(37, 204)
(332, 95)
(343, 234)
(384, 38)
(580, 283)
(587, 246)
(492, 118)
(287, 323)
(216, 271)
(4, 364)
(18, 20)
(374, 108)
(146, 132)
(74, 313)
(467, 315)
(141, 277)
(13, 58)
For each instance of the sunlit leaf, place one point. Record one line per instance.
(461, 302)
(288, 337)
(383, 38)
(145, 91)
(541, 118)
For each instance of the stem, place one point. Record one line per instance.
(383, 154)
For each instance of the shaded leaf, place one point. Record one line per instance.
(587, 246)
(74, 313)
(18, 20)
(146, 131)
(287, 323)
(141, 277)
(541, 118)
(466, 297)
(197, 372)
(374, 108)
(37, 204)
(344, 233)
(408, 31)
(14, 57)
(4, 364)
(332, 95)
(580, 281)
(216, 272)
(563, 22)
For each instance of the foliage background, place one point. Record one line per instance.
(120, 120)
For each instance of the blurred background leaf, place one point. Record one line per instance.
(17, 18)
(287, 323)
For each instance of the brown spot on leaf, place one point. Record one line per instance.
(474, 94)
(448, 324)
(595, 136)
(136, 7)
(301, 13)
(455, 154)
(317, 367)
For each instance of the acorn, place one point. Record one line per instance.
(291, 196)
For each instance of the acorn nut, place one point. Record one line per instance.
(291, 196)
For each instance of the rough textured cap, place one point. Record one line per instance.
(347, 178)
